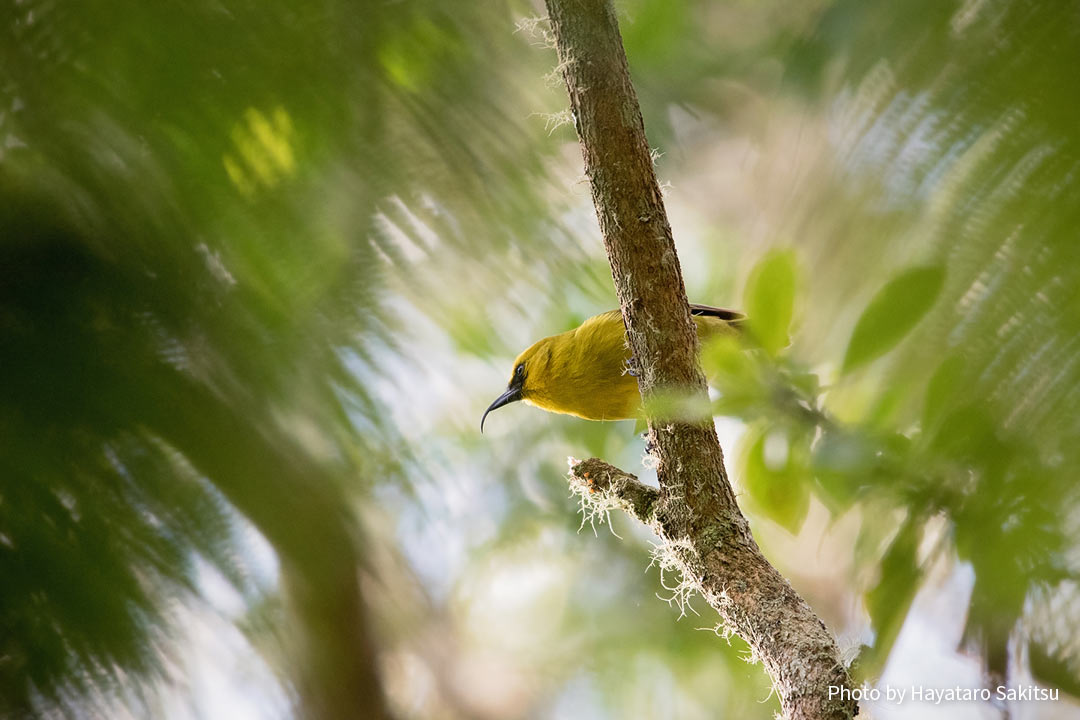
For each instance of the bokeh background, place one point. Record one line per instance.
(263, 265)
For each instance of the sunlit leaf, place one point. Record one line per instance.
(892, 313)
(770, 300)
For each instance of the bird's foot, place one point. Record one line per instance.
(631, 367)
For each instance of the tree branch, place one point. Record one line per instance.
(695, 511)
(610, 487)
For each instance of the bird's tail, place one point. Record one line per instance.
(733, 318)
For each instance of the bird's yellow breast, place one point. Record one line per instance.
(584, 371)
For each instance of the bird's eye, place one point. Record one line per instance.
(519, 371)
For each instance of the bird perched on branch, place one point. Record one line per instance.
(588, 371)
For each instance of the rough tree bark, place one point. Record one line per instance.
(694, 511)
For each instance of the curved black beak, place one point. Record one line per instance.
(512, 394)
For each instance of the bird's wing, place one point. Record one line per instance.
(732, 317)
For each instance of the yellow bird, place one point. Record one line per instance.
(586, 371)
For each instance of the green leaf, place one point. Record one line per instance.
(850, 464)
(655, 32)
(774, 472)
(770, 300)
(735, 374)
(1054, 668)
(893, 312)
(842, 462)
(888, 602)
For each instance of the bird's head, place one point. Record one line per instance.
(534, 360)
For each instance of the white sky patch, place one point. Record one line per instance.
(925, 655)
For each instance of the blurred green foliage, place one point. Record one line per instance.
(959, 411)
(192, 278)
